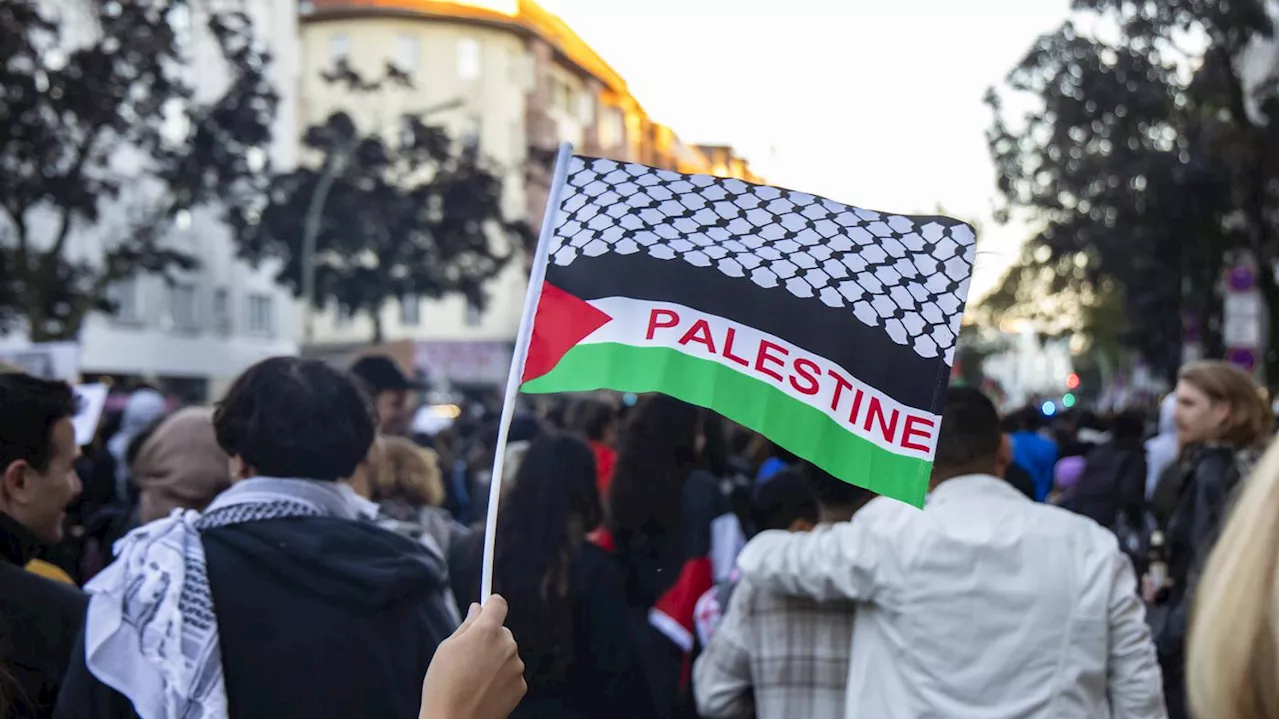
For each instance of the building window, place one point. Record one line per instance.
(563, 97)
(468, 59)
(222, 310)
(612, 128)
(339, 48)
(407, 52)
(410, 310)
(182, 307)
(261, 315)
(124, 295)
(586, 108)
(474, 315)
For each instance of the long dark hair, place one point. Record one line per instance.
(659, 450)
(541, 524)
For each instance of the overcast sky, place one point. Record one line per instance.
(876, 103)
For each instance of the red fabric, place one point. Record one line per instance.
(561, 322)
(603, 539)
(605, 459)
(679, 600)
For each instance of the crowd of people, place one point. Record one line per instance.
(301, 550)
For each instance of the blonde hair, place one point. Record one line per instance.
(1231, 652)
(409, 472)
(1249, 421)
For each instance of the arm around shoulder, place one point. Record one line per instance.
(838, 561)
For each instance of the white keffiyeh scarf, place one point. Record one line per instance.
(152, 631)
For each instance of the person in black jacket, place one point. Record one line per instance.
(1114, 477)
(39, 618)
(282, 599)
(1222, 426)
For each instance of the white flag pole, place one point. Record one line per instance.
(536, 274)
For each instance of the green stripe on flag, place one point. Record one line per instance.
(798, 427)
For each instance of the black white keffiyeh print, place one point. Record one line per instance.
(152, 630)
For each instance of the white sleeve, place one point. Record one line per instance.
(838, 561)
(1134, 687)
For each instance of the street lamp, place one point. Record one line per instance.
(334, 165)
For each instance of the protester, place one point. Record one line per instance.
(39, 618)
(981, 604)
(673, 534)
(1112, 485)
(786, 501)
(1223, 424)
(180, 465)
(1033, 452)
(1162, 449)
(568, 610)
(1231, 654)
(407, 487)
(142, 411)
(389, 388)
(598, 422)
(282, 599)
(476, 673)
(776, 656)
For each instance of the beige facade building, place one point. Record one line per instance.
(513, 77)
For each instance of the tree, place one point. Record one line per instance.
(418, 215)
(102, 140)
(1144, 159)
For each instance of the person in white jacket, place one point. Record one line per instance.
(983, 605)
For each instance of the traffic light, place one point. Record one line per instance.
(1068, 400)
(1073, 381)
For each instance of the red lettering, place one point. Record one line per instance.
(875, 413)
(857, 405)
(909, 431)
(841, 385)
(806, 369)
(672, 319)
(762, 354)
(728, 349)
(699, 332)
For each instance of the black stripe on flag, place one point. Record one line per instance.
(879, 294)
(865, 352)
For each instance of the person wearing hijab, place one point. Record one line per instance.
(180, 466)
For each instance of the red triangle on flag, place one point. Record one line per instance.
(561, 322)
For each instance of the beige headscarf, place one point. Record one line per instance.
(181, 465)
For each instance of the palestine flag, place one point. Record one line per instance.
(827, 328)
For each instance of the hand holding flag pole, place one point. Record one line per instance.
(537, 272)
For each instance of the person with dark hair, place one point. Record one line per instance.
(598, 422)
(389, 389)
(777, 656)
(785, 502)
(39, 618)
(282, 598)
(672, 532)
(568, 610)
(983, 603)
(1033, 452)
(1112, 486)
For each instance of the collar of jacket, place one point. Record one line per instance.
(18, 545)
(971, 484)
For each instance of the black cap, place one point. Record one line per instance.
(380, 374)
